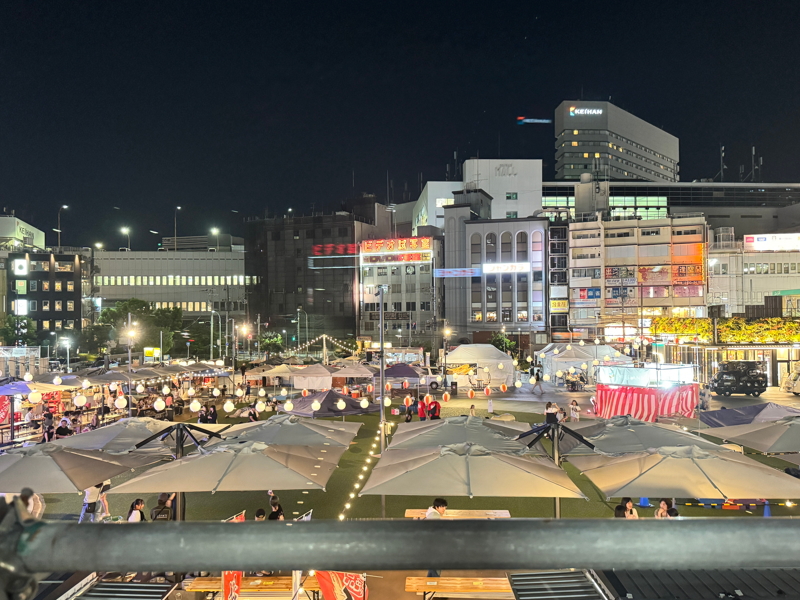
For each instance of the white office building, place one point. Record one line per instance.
(603, 139)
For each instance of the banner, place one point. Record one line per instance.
(5, 408)
(335, 585)
(646, 403)
(231, 585)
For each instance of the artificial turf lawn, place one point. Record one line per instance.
(329, 504)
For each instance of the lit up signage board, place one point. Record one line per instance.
(334, 249)
(779, 242)
(489, 268)
(559, 306)
(469, 272)
(20, 266)
(402, 250)
(20, 307)
(575, 111)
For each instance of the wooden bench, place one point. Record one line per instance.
(419, 513)
(460, 587)
(255, 587)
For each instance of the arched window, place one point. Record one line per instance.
(522, 247)
(505, 247)
(475, 250)
(491, 248)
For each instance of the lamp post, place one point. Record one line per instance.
(66, 342)
(244, 332)
(299, 310)
(127, 231)
(62, 207)
(215, 231)
(175, 237)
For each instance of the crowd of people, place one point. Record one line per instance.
(425, 407)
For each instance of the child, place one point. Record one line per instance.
(574, 411)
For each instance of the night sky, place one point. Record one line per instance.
(123, 110)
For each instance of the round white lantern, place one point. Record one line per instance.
(165, 390)
(517, 384)
(112, 386)
(139, 388)
(515, 362)
(500, 366)
(364, 403)
(341, 405)
(582, 343)
(261, 406)
(595, 362)
(315, 405)
(542, 355)
(597, 341)
(239, 393)
(228, 406)
(262, 392)
(195, 405)
(471, 372)
(289, 406)
(485, 369)
(79, 400)
(216, 392)
(36, 398)
(556, 351)
(191, 391)
(387, 401)
(27, 377)
(546, 377)
(606, 358)
(86, 383)
(56, 380)
(569, 346)
(121, 402)
(559, 373)
(159, 405)
(283, 392)
(584, 366)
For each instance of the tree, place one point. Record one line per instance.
(154, 328)
(502, 343)
(18, 329)
(94, 338)
(270, 343)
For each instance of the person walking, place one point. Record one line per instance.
(136, 512)
(705, 397)
(630, 511)
(436, 511)
(537, 383)
(574, 411)
(91, 498)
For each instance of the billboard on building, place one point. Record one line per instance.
(401, 250)
(775, 242)
(27, 235)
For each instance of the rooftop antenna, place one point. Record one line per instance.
(722, 166)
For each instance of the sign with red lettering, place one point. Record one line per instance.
(396, 245)
(5, 408)
(335, 585)
(334, 249)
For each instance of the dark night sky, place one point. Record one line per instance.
(221, 106)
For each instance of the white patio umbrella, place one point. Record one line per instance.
(495, 436)
(251, 466)
(52, 469)
(685, 472)
(769, 436)
(467, 470)
(290, 430)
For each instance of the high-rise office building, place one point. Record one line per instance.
(603, 139)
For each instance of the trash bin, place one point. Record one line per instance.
(454, 388)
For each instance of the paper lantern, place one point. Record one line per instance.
(595, 362)
(219, 363)
(341, 405)
(305, 393)
(546, 377)
(606, 358)
(79, 400)
(261, 406)
(428, 398)
(216, 392)
(503, 387)
(515, 362)
(315, 405)
(408, 401)
(121, 402)
(487, 390)
(262, 392)
(471, 372)
(36, 398)
(345, 390)
(159, 405)
(501, 366)
(627, 349)
(572, 369)
(191, 391)
(288, 406)
(139, 388)
(581, 343)
(617, 354)
(364, 403)
(471, 394)
(195, 405)
(239, 393)
(387, 401)
(56, 380)
(439, 378)
(387, 387)
(228, 406)
(556, 351)
(86, 383)
(584, 366)
(559, 373)
(165, 390)
(485, 369)
(27, 377)
(370, 388)
(283, 392)
(517, 384)
(645, 342)
(542, 355)
(112, 386)
(422, 381)
(569, 346)
(446, 397)
(597, 341)
(636, 346)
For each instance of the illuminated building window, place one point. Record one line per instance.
(58, 305)
(597, 155)
(70, 305)
(574, 132)
(46, 325)
(58, 286)
(491, 316)
(58, 325)
(33, 285)
(70, 286)
(574, 144)
(70, 324)
(382, 271)
(585, 155)
(45, 305)
(477, 316)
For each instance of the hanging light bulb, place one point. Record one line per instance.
(191, 391)
(79, 400)
(228, 406)
(121, 402)
(195, 405)
(283, 392)
(387, 401)
(595, 362)
(584, 366)
(515, 362)
(36, 397)
(546, 377)
(288, 406)
(556, 351)
(216, 392)
(572, 369)
(617, 354)
(542, 355)
(341, 405)
(606, 358)
(262, 392)
(315, 405)
(112, 386)
(239, 393)
(139, 388)
(261, 406)
(485, 369)
(501, 366)
(56, 380)
(86, 384)
(582, 343)
(27, 377)
(569, 346)
(517, 384)
(159, 404)
(364, 403)
(597, 341)
(165, 390)
(559, 374)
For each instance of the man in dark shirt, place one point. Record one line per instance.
(163, 510)
(63, 431)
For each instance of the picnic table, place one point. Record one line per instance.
(419, 513)
(254, 587)
(460, 587)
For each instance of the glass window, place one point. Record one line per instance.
(46, 325)
(151, 280)
(475, 250)
(65, 267)
(58, 306)
(505, 247)
(228, 280)
(58, 325)
(45, 304)
(124, 280)
(32, 305)
(183, 279)
(70, 305)
(491, 248)
(138, 279)
(170, 279)
(511, 196)
(70, 286)
(411, 306)
(45, 286)
(477, 315)
(241, 279)
(382, 271)
(70, 324)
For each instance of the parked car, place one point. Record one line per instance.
(739, 377)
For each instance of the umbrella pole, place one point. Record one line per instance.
(180, 499)
(555, 430)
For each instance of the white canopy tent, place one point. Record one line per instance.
(501, 366)
(313, 377)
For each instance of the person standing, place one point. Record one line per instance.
(436, 511)
(163, 509)
(276, 510)
(574, 411)
(91, 498)
(551, 413)
(472, 410)
(104, 499)
(47, 419)
(261, 515)
(212, 414)
(136, 512)
(705, 397)
(434, 410)
(537, 382)
(422, 409)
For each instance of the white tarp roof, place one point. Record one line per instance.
(313, 377)
(484, 355)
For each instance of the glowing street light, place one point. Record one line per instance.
(62, 207)
(127, 231)
(215, 231)
(175, 238)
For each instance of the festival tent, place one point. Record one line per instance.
(313, 377)
(289, 430)
(768, 436)
(401, 371)
(574, 357)
(755, 413)
(685, 472)
(501, 366)
(328, 405)
(468, 470)
(356, 371)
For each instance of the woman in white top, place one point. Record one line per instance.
(574, 411)
(136, 514)
(630, 512)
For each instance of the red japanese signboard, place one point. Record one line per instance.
(396, 245)
(231, 585)
(334, 249)
(335, 585)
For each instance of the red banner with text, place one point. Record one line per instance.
(231, 585)
(335, 585)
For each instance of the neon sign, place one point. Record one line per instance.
(506, 268)
(396, 245)
(574, 111)
(334, 249)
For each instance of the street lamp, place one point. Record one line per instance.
(175, 238)
(98, 245)
(215, 231)
(66, 342)
(127, 231)
(62, 207)
(244, 332)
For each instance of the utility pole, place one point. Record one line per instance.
(383, 390)
(211, 355)
(258, 333)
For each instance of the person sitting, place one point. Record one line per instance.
(663, 508)
(261, 515)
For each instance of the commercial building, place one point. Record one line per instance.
(625, 271)
(602, 139)
(304, 269)
(412, 299)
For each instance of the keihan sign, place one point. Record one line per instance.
(574, 111)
